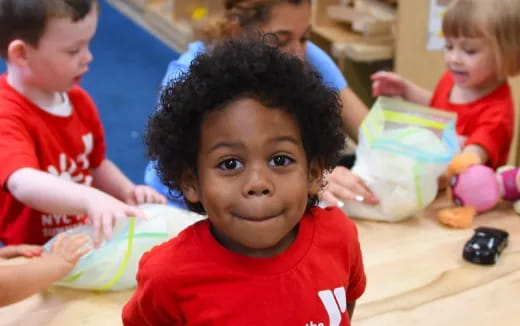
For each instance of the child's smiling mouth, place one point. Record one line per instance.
(459, 72)
(260, 218)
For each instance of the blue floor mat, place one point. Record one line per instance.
(124, 79)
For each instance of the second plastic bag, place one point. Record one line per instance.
(403, 149)
(113, 266)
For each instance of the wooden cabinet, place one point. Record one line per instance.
(171, 20)
(359, 35)
(361, 30)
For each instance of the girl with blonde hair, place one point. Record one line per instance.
(482, 50)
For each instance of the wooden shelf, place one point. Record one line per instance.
(336, 33)
(161, 17)
(170, 20)
(361, 31)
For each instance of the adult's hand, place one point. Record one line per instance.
(342, 186)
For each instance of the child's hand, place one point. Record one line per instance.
(28, 251)
(142, 194)
(103, 210)
(387, 83)
(67, 250)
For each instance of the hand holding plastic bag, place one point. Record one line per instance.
(403, 149)
(113, 266)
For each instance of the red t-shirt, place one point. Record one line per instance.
(487, 122)
(193, 280)
(30, 137)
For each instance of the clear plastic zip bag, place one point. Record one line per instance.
(403, 149)
(113, 266)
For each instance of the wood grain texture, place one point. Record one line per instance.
(415, 271)
(63, 307)
(416, 274)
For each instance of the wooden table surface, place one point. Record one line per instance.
(416, 276)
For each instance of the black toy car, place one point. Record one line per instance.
(485, 246)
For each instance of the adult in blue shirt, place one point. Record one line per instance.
(289, 20)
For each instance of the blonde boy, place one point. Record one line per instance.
(53, 171)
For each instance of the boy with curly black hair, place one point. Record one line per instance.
(246, 135)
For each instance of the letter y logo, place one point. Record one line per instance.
(335, 304)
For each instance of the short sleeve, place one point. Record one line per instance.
(16, 146)
(174, 71)
(494, 133)
(182, 64)
(327, 68)
(357, 283)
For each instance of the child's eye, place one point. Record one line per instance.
(470, 51)
(448, 46)
(281, 160)
(73, 52)
(282, 39)
(230, 164)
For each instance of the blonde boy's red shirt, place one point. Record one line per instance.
(193, 280)
(487, 121)
(68, 147)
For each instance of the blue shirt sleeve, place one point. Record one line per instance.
(182, 63)
(324, 64)
(174, 71)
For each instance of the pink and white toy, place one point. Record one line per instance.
(481, 187)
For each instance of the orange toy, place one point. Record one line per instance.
(458, 217)
(460, 163)
(478, 188)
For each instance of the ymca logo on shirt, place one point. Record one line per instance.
(68, 168)
(74, 170)
(335, 303)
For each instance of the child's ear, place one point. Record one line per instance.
(189, 187)
(315, 177)
(17, 52)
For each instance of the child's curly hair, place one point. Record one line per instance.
(237, 69)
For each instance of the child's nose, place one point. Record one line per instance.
(258, 183)
(455, 56)
(88, 57)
